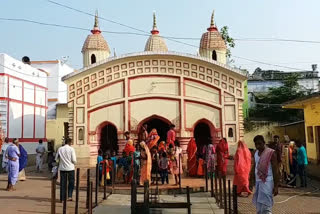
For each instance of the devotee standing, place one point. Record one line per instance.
(136, 156)
(171, 135)
(23, 160)
(129, 147)
(143, 134)
(293, 163)
(145, 163)
(100, 163)
(4, 157)
(266, 176)
(176, 164)
(153, 138)
(67, 159)
(192, 158)
(242, 167)
(163, 166)
(40, 150)
(13, 155)
(209, 152)
(222, 156)
(302, 163)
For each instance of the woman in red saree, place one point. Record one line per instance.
(242, 167)
(192, 159)
(222, 156)
(153, 139)
(129, 147)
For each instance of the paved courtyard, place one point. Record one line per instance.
(33, 196)
(290, 201)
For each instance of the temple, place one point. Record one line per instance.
(201, 95)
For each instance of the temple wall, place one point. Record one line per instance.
(126, 91)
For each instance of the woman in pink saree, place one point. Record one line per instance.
(146, 163)
(242, 167)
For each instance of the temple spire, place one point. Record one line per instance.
(96, 29)
(154, 27)
(96, 20)
(212, 24)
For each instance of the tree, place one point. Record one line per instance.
(269, 106)
(229, 41)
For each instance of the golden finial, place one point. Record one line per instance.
(96, 20)
(212, 20)
(154, 27)
(154, 21)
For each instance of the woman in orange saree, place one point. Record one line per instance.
(153, 139)
(146, 163)
(242, 167)
(192, 159)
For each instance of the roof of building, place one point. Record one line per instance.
(262, 75)
(212, 39)
(298, 103)
(151, 53)
(95, 41)
(155, 42)
(45, 62)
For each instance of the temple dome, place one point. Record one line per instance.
(212, 39)
(95, 42)
(212, 45)
(155, 42)
(95, 47)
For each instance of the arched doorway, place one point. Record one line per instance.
(158, 123)
(202, 135)
(109, 138)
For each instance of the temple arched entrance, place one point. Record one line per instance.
(159, 123)
(109, 138)
(203, 133)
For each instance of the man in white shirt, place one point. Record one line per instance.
(40, 150)
(67, 158)
(4, 157)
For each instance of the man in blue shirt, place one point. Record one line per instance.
(302, 163)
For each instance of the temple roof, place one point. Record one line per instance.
(155, 41)
(95, 41)
(212, 39)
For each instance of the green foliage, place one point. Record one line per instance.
(229, 41)
(270, 104)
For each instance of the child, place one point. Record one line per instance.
(163, 165)
(136, 165)
(114, 164)
(105, 168)
(155, 160)
(99, 160)
(122, 167)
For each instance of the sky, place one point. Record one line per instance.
(285, 19)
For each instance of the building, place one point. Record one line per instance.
(23, 101)
(261, 80)
(57, 115)
(200, 95)
(311, 107)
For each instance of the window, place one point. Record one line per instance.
(80, 134)
(93, 59)
(214, 55)
(230, 132)
(66, 130)
(310, 134)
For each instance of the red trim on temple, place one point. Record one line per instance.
(154, 32)
(211, 29)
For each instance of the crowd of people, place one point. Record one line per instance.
(267, 167)
(144, 159)
(14, 159)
